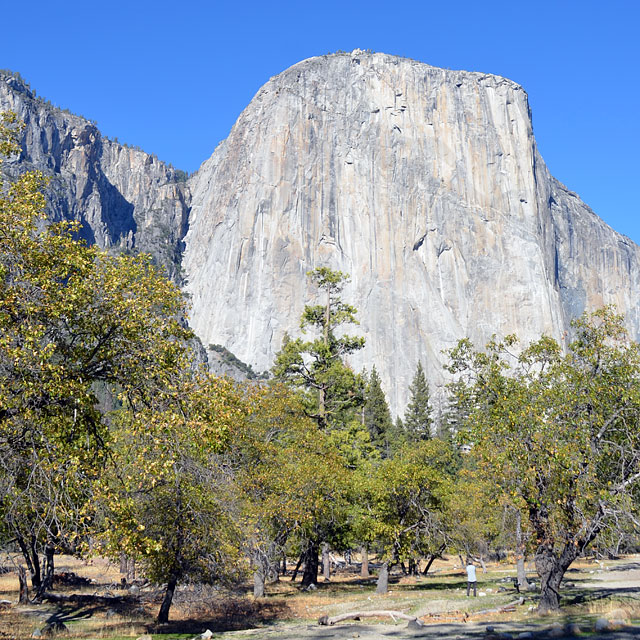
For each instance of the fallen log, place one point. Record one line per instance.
(86, 599)
(327, 621)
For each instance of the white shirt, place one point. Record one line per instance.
(471, 573)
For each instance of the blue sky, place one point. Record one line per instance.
(173, 77)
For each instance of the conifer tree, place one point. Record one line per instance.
(377, 416)
(417, 418)
(331, 390)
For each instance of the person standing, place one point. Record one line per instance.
(471, 578)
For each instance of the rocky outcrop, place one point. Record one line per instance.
(425, 185)
(126, 199)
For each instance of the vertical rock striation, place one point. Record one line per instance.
(425, 185)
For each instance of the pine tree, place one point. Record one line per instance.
(377, 417)
(331, 390)
(417, 418)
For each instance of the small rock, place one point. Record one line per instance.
(415, 624)
(602, 624)
(36, 633)
(556, 630)
(618, 614)
(134, 588)
(572, 629)
(206, 635)
(481, 593)
(110, 613)
(490, 628)
(146, 636)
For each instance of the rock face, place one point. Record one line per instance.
(422, 183)
(125, 198)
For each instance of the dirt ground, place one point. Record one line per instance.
(591, 590)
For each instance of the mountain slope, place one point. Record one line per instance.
(125, 198)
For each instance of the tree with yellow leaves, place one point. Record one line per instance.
(559, 434)
(74, 321)
(168, 499)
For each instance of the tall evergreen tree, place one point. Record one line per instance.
(417, 418)
(377, 417)
(331, 390)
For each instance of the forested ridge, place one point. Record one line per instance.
(114, 441)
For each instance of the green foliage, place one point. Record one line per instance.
(167, 500)
(291, 481)
(404, 500)
(558, 434)
(377, 417)
(73, 320)
(417, 418)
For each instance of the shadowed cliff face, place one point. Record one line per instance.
(425, 185)
(125, 198)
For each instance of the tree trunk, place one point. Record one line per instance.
(48, 569)
(432, 557)
(326, 562)
(30, 555)
(123, 563)
(523, 584)
(295, 571)
(163, 614)
(258, 583)
(310, 575)
(284, 565)
(24, 589)
(364, 568)
(131, 569)
(382, 586)
(551, 570)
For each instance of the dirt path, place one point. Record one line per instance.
(622, 576)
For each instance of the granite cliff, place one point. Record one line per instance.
(424, 184)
